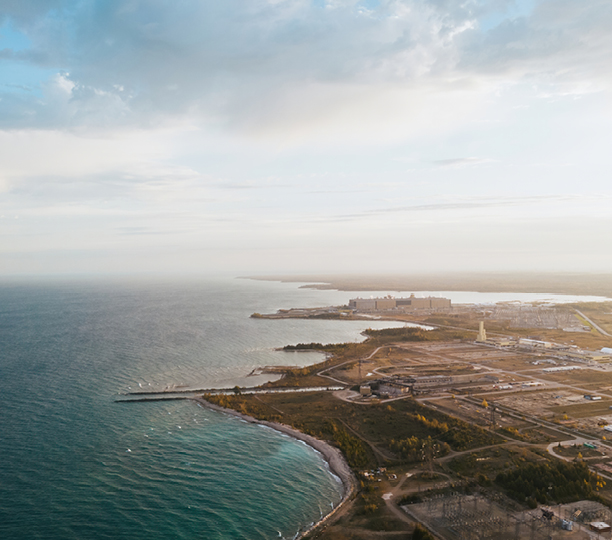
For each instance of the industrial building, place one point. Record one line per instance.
(532, 384)
(365, 390)
(560, 368)
(482, 333)
(582, 355)
(535, 344)
(432, 380)
(363, 304)
(599, 527)
(565, 352)
(406, 304)
(400, 385)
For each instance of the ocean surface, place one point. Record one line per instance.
(75, 464)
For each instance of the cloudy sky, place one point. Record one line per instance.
(305, 135)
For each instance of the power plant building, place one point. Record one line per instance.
(407, 304)
(385, 303)
(363, 304)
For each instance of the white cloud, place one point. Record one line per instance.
(28, 153)
(250, 65)
(276, 125)
(461, 162)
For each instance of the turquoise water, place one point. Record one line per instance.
(75, 464)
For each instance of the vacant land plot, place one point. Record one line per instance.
(532, 403)
(599, 312)
(578, 451)
(581, 377)
(591, 425)
(513, 364)
(542, 435)
(464, 410)
(584, 410)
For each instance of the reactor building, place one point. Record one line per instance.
(406, 304)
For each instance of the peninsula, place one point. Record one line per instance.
(500, 414)
(469, 422)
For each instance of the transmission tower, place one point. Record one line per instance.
(493, 422)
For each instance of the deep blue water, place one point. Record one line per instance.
(75, 464)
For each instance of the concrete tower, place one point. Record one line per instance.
(482, 334)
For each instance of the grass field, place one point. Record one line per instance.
(577, 451)
(367, 434)
(584, 410)
(492, 461)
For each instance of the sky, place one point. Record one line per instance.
(297, 136)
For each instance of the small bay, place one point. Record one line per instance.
(75, 464)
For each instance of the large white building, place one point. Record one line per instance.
(407, 304)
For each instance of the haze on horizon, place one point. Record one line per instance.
(305, 136)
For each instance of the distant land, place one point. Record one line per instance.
(554, 283)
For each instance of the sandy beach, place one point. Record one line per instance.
(333, 456)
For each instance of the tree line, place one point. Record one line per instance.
(559, 482)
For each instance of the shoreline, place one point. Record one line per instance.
(334, 458)
(567, 283)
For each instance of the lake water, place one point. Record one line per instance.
(75, 464)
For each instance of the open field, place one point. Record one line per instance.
(578, 451)
(369, 435)
(584, 410)
(582, 377)
(599, 312)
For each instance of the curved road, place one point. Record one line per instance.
(323, 371)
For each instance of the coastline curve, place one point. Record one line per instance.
(334, 458)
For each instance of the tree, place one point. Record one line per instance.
(421, 534)
(484, 403)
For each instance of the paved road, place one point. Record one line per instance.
(323, 371)
(596, 326)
